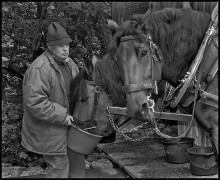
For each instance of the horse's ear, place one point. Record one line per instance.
(94, 60)
(113, 26)
(186, 5)
(146, 16)
(145, 19)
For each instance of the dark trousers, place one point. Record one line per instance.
(71, 165)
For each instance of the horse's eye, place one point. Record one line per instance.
(144, 53)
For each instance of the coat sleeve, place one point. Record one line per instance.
(36, 90)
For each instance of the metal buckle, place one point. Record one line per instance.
(151, 103)
(97, 89)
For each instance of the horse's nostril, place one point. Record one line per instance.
(144, 109)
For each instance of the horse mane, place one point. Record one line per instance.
(78, 90)
(108, 71)
(108, 76)
(178, 33)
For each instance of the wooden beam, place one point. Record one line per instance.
(161, 115)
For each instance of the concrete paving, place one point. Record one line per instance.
(146, 159)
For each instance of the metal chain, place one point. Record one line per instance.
(170, 90)
(168, 95)
(123, 132)
(86, 129)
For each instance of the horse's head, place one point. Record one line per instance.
(88, 102)
(139, 63)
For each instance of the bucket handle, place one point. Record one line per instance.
(200, 166)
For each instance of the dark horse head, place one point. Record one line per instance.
(122, 71)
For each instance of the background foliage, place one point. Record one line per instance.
(24, 26)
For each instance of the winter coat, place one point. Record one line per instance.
(45, 106)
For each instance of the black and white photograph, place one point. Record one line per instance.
(109, 89)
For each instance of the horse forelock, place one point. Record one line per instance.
(178, 33)
(127, 28)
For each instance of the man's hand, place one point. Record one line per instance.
(68, 121)
(80, 65)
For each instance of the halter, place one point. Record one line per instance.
(92, 83)
(155, 71)
(117, 111)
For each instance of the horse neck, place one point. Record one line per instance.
(109, 77)
(178, 46)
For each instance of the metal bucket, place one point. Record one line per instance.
(176, 151)
(81, 141)
(202, 161)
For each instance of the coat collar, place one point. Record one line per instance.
(51, 59)
(54, 63)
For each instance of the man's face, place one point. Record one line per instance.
(60, 51)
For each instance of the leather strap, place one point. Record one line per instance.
(92, 83)
(95, 105)
(128, 38)
(136, 87)
(178, 138)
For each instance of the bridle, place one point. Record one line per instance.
(156, 70)
(96, 103)
(109, 110)
(96, 98)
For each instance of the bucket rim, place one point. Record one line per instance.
(88, 133)
(185, 140)
(199, 153)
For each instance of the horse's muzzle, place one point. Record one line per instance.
(147, 109)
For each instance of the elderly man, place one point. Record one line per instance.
(45, 102)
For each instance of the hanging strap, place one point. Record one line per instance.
(178, 138)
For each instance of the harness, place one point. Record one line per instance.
(129, 88)
(208, 71)
(210, 35)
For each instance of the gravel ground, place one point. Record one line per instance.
(97, 166)
(146, 159)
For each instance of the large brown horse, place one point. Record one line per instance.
(178, 33)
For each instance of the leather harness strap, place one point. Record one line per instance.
(129, 88)
(128, 38)
(178, 138)
(92, 83)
